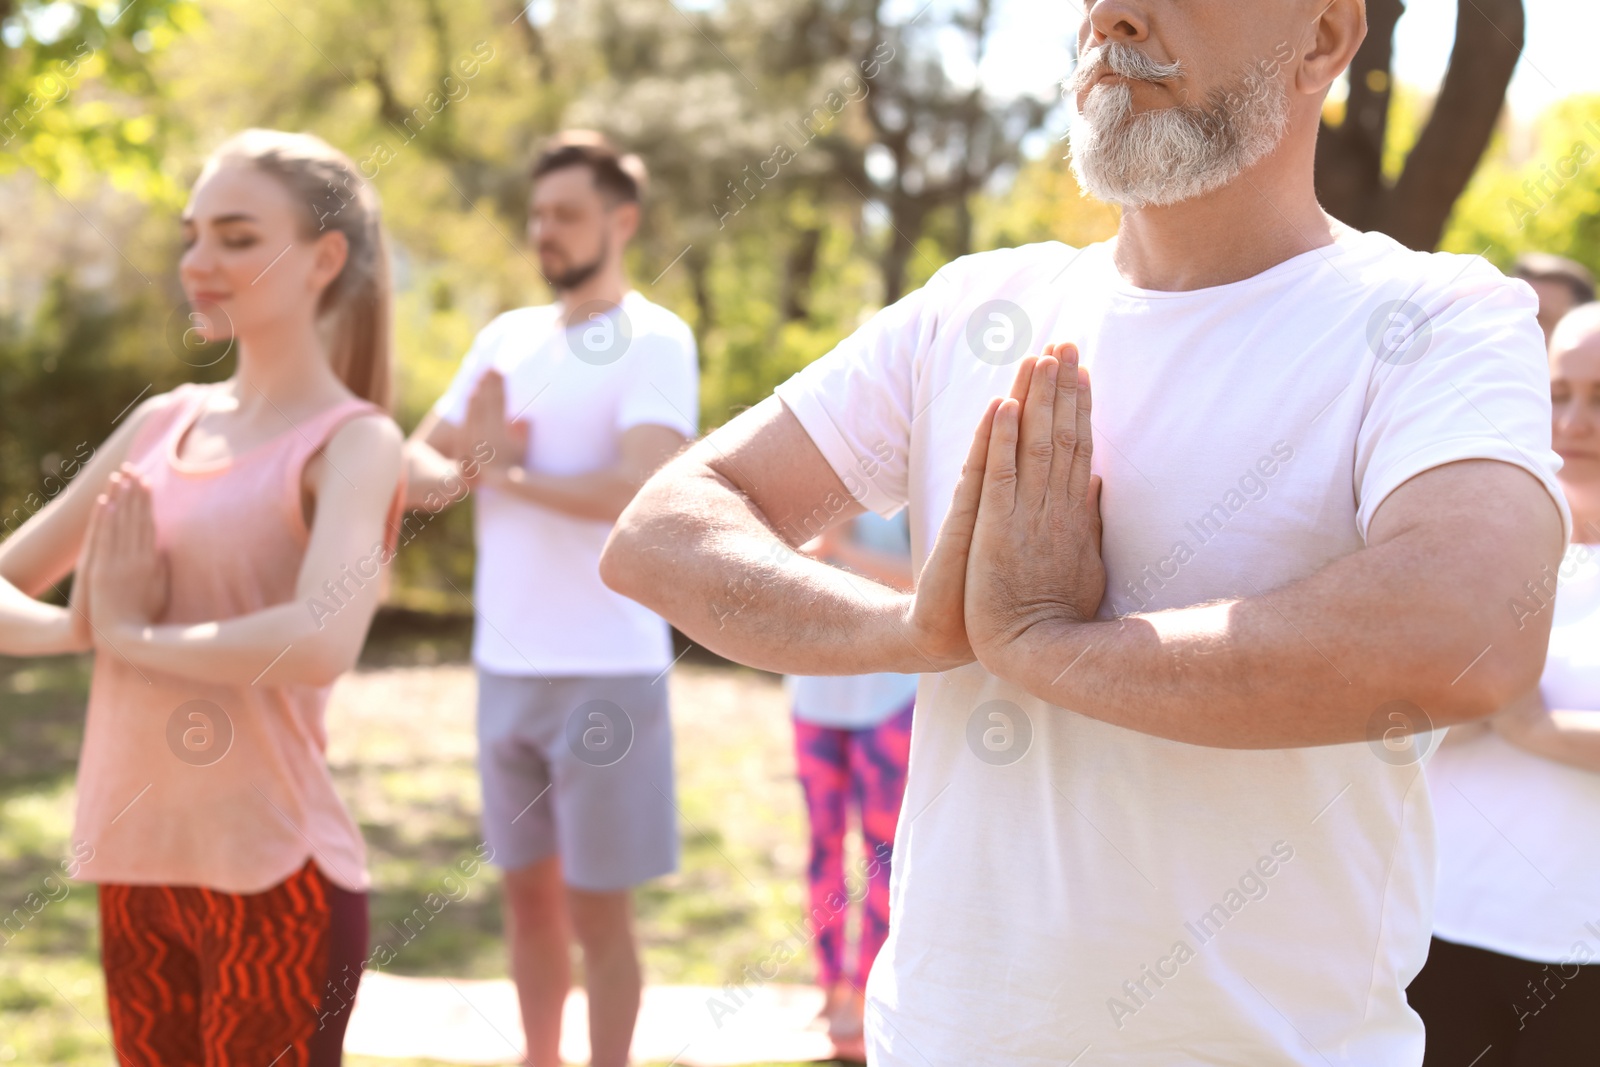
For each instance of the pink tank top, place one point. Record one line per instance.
(182, 782)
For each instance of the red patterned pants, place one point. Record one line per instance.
(200, 978)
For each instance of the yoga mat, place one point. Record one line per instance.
(457, 1020)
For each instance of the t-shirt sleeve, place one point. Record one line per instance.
(856, 402)
(1480, 389)
(452, 406)
(663, 384)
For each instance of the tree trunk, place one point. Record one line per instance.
(1350, 182)
(1489, 36)
(798, 269)
(906, 215)
(699, 268)
(1349, 163)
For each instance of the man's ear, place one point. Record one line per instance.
(625, 216)
(1331, 41)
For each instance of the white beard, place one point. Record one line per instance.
(1174, 154)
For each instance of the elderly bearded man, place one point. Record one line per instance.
(1164, 802)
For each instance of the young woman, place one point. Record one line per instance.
(1513, 975)
(234, 536)
(852, 742)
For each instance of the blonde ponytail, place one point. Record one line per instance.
(355, 307)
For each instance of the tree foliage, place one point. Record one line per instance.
(79, 97)
(1537, 192)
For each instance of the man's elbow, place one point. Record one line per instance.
(1488, 685)
(654, 535)
(636, 553)
(623, 490)
(620, 566)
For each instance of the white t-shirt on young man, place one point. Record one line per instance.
(541, 606)
(1519, 872)
(1262, 907)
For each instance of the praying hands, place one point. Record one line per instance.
(487, 425)
(122, 576)
(1019, 549)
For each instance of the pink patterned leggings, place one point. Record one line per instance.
(838, 768)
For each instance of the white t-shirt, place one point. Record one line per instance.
(541, 607)
(858, 701)
(1519, 870)
(1067, 888)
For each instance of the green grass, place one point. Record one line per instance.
(402, 750)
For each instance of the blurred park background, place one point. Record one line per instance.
(811, 160)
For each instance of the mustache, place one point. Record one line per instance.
(1114, 57)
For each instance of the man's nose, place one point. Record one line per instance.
(1122, 21)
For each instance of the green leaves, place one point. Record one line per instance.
(77, 94)
(1536, 190)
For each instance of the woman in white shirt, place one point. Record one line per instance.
(1513, 975)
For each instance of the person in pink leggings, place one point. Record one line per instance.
(852, 740)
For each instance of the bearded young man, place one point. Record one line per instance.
(1164, 802)
(558, 414)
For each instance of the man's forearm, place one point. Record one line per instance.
(696, 551)
(598, 496)
(886, 568)
(1308, 664)
(1194, 675)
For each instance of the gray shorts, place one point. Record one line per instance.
(583, 765)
